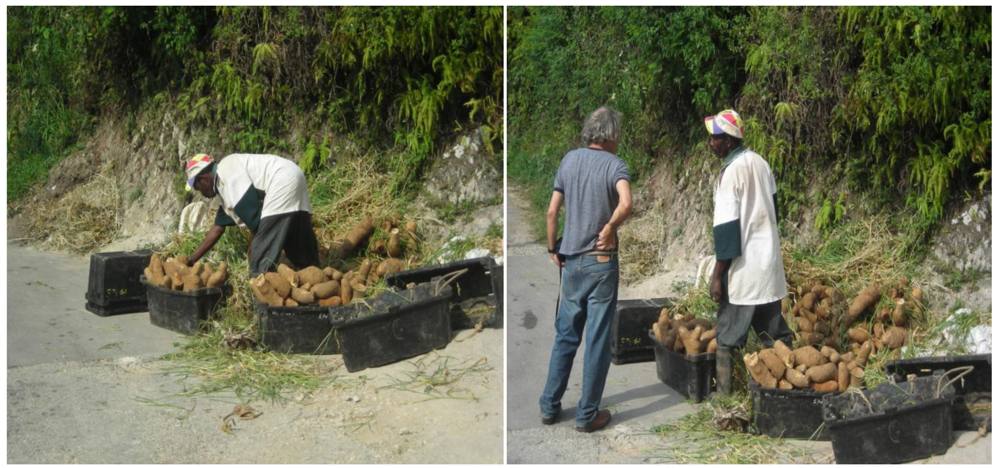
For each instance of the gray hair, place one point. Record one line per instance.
(604, 124)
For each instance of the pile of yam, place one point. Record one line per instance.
(815, 313)
(806, 368)
(360, 235)
(173, 273)
(685, 333)
(323, 287)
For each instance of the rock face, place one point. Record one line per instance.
(965, 242)
(466, 172)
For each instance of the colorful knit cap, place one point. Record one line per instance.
(194, 167)
(725, 122)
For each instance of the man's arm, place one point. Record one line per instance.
(250, 248)
(210, 239)
(606, 239)
(552, 223)
(721, 267)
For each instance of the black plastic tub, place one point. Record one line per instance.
(183, 312)
(895, 422)
(113, 286)
(303, 329)
(691, 376)
(973, 405)
(473, 289)
(788, 414)
(630, 340)
(393, 326)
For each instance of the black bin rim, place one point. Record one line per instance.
(833, 422)
(196, 293)
(799, 392)
(339, 323)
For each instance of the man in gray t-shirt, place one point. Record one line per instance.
(594, 183)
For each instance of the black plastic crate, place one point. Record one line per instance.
(895, 422)
(113, 286)
(183, 312)
(393, 326)
(472, 289)
(691, 376)
(972, 406)
(630, 340)
(303, 329)
(790, 414)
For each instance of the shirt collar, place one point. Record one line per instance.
(732, 155)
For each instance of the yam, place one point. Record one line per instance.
(857, 335)
(345, 288)
(884, 314)
(696, 322)
(899, 315)
(353, 240)
(156, 267)
(862, 358)
(198, 268)
(365, 267)
(330, 301)
(785, 354)
(411, 226)
(847, 357)
(712, 346)
(658, 332)
(808, 356)
(333, 273)
(289, 302)
(390, 266)
(168, 282)
(868, 297)
(857, 377)
(828, 386)
(828, 352)
(823, 373)
(207, 273)
(773, 362)
(894, 338)
(178, 281)
(822, 328)
(759, 372)
(917, 296)
(279, 283)
(805, 326)
(306, 287)
(797, 378)
(170, 267)
(811, 339)
(327, 289)
(784, 385)
(393, 248)
(192, 282)
(289, 274)
(183, 260)
(843, 377)
(302, 297)
(823, 311)
(217, 279)
(311, 275)
(265, 292)
(807, 301)
(678, 343)
(692, 340)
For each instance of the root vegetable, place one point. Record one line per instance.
(857, 335)
(823, 311)
(358, 234)
(149, 275)
(289, 302)
(330, 301)
(207, 273)
(823, 373)
(390, 266)
(192, 282)
(773, 362)
(327, 289)
(862, 359)
(894, 338)
(811, 339)
(170, 267)
(857, 377)
(808, 356)
(712, 346)
(198, 268)
(345, 288)
(843, 377)
(822, 328)
(289, 274)
(306, 287)
(393, 247)
(692, 343)
(265, 292)
(802, 368)
(178, 281)
(333, 273)
(807, 301)
(868, 297)
(917, 295)
(785, 354)
(706, 337)
(279, 283)
(168, 282)
(847, 357)
(830, 354)
(899, 315)
(217, 279)
(797, 378)
(379, 248)
(311, 275)
(302, 297)
(411, 226)
(819, 290)
(156, 268)
(828, 386)
(884, 314)
(784, 385)
(805, 325)
(365, 267)
(759, 372)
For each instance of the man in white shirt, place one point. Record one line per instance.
(748, 282)
(264, 193)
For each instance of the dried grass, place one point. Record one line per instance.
(86, 219)
(643, 246)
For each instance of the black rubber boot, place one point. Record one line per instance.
(723, 371)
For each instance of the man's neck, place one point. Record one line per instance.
(603, 146)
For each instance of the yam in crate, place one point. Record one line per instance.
(113, 286)
(473, 288)
(394, 325)
(302, 329)
(791, 414)
(892, 423)
(973, 406)
(183, 311)
(630, 341)
(691, 376)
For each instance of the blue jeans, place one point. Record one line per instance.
(587, 304)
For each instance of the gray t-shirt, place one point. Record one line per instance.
(587, 178)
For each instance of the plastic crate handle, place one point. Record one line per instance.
(965, 371)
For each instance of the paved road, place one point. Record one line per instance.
(47, 322)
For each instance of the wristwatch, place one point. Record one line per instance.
(552, 251)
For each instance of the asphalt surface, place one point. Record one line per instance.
(47, 321)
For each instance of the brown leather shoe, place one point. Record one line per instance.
(601, 420)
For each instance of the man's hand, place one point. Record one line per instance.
(716, 289)
(606, 239)
(191, 261)
(555, 259)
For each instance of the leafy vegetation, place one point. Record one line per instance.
(395, 80)
(892, 101)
